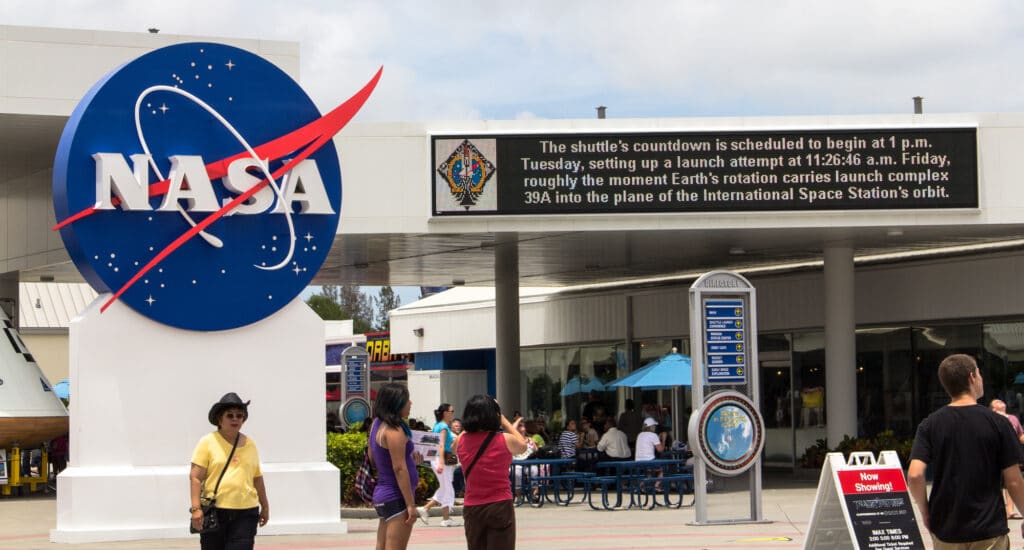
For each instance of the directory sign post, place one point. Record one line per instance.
(355, 385)
(726, 429)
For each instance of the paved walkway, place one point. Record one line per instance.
(25, 523)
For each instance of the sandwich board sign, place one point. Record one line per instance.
(863, 504)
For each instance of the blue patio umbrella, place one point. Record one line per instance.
(576, 385)
(666, 372)
(62, 389)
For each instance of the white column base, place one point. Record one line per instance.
(123, 503)
(140, 393)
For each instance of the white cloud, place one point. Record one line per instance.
(470, 59)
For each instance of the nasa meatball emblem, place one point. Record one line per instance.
(200, 185)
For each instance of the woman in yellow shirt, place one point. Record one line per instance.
(241, 498)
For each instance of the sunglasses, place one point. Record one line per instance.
(234, 416)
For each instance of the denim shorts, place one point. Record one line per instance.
(388, 511)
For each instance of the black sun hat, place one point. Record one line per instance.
(229, 401)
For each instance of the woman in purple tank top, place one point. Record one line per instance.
(391, 452)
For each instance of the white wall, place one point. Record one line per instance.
(934, 290)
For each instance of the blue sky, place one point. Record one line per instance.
(537, 59)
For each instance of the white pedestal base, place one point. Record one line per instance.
(140, 393)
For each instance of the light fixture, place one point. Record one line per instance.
(39, 304)
(737, 251)
(458, 282)
(894, 232)
(46, 278)
(418, 331)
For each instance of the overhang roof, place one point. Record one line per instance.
(583, 253)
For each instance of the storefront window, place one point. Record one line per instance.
(808, 389)
(931, 346)
(563, 364)
(885, 382)
(535, 384)
(1003, 363)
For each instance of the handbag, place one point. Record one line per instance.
(366, 476)
(546, 452)
(211, 523)
(450, 459)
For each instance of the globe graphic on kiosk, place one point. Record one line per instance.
(730, 433)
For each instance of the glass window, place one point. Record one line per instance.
(535, 384)
(809, 378)
(598, 367)
(1003, 363)
(885, 382)
(931, 346)
(563, 365)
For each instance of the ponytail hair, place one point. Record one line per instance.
(439, 413)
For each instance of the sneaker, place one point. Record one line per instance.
(449, 523)
(423, 515)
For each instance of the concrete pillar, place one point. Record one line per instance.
(506, 312)
(840, 345)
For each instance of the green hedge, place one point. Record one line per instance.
(345, 451)
(814, 456)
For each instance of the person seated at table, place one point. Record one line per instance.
(588, 434)
(613, 444)
(586, 456)
(665, 436)
(569, 440)
(533, 429)
(649, 444)
(531, 447)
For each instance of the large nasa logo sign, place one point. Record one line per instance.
(199, 184)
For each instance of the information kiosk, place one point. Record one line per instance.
(726, 430)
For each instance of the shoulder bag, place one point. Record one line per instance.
(366, 476)
(211, 523)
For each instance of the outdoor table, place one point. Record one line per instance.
(547, 469)
(636, 477)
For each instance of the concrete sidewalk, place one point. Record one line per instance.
(25, 523)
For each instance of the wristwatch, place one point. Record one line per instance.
(194, 509)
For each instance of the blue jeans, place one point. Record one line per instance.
(237, 530)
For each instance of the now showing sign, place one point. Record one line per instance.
(863, 504)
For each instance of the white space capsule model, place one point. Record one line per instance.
(30, 412)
